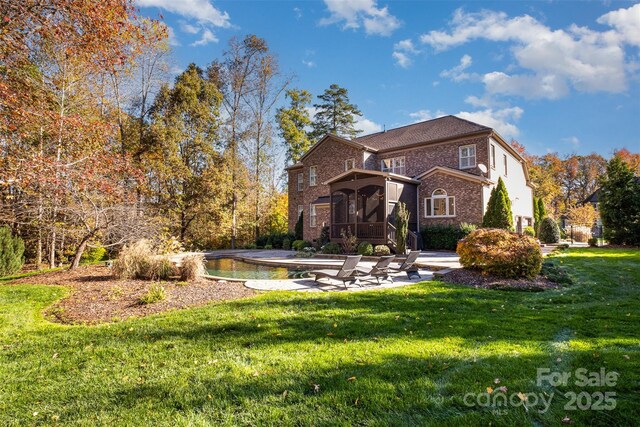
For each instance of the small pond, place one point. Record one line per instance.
(233, 268)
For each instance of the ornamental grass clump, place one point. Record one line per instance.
(155, 294)
(192, 267)
(134, 261)
(501, 253)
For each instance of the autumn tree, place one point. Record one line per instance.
(294, 122)
(185, 119)
(583, 215)
(335, 114)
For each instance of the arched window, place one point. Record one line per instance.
(439, 205)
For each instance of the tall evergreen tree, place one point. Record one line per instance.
(498, 214)
(292, 121)
(335, 114)
(620, 203)
(542, 211)
(536, 213)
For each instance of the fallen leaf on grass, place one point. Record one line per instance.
(489, 390)
(351, 379)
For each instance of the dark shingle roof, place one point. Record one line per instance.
(442, 128)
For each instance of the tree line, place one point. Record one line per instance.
(98, 147)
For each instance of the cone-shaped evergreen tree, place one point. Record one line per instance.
(542, 211)
(536, 214)
(498, 214)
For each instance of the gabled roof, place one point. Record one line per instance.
(330, 136)
(371, 173)
(440, 129)
(456, 173)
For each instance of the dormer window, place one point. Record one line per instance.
(467, 156)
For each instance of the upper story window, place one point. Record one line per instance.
(504, 160)
(393, 165)
(300, 181)
(313, 176)
(439, 205)
(467, 156)
(349, 164)
(493, 156)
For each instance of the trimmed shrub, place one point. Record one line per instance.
(267, 246)
(93, 255)
(286, 244)
(501, 253)
(155, 293)
(325, 236)
(380, 250)
(593, 242)
(11, 252)
(498, 214)
(299, 245)
(365, 249)
(529, 231)
(445, 236)
(549, 231)
(402, 227)
(332, 248)
(299, 227)
(192, 267)
(133, 261)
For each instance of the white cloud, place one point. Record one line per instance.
(626, 23)
(402, 52)
(424, 115)
(501, 120)
(457, 73)
(206, 38)
(367, 126)
(189, 28)
(551, 60)
(402, 59)
(200, 10)
(309, 64)
(171, 37)
(361, 13)
(573, 140)
(298, 12)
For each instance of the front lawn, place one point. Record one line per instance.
(424, 354)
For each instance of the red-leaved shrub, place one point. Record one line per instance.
(501, 253)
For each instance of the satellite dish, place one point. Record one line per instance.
(482, 168)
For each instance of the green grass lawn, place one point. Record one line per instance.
(405, 356)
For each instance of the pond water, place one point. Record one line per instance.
(233, 268)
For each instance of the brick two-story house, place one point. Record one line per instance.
(436, 167)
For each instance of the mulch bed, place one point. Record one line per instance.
(476, 279)
(97, 297)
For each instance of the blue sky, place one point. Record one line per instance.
(557, 76)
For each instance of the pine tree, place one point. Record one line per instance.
(11, 251)
(498, 214)
(542, 211)
(293, 121)
(620, 204)
(335, 114)
(536, 214)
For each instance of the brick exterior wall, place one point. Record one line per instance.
(329, 160)
(468, 199)
(421, 159)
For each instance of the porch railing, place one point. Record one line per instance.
(363, 230)
(412, 238)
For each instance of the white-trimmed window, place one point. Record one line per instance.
(504, 160)
(300, 181)
(493, 156)
(300, 209)
(349, 164)
(439, 205)
(393, 165)
(467, 156)
(313, 176)
(313, 218)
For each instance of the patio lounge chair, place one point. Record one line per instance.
(380, 270)
(408, 265)
(347, 273)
